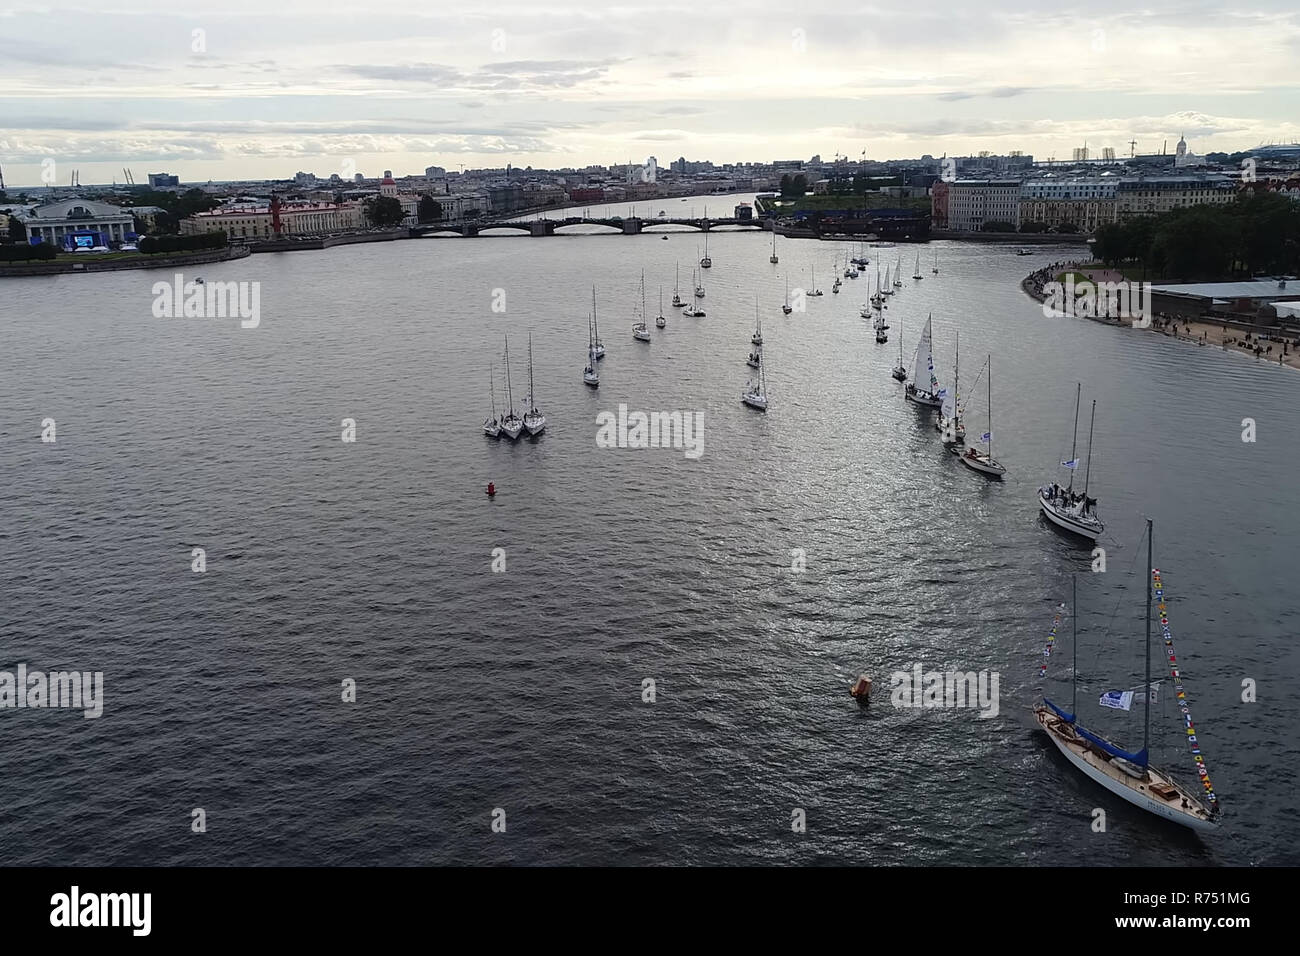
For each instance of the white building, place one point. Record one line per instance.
(53, 221)
(973, 202)
(296, 219)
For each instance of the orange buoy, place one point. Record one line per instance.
(491, 490)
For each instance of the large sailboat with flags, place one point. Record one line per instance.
(1129, 775)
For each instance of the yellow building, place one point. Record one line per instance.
(296, 219)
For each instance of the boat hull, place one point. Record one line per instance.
(754, 402)
(983, 465)
(1185, 809)
(1062, 520)
(922, 399)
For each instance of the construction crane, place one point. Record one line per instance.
(1132, 148)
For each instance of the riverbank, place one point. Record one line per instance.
(1013, 238)
(1227, 334)
(87, 262)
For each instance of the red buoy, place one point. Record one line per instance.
(492, 490)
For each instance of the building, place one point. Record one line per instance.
(296, 219)
(974, 202)
(1245, 296)
(434, 172)
(1154, 195)
(163, 181)
(939, 205)
(78, 222)
(1086, 204)
(387, 185)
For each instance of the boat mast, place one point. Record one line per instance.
(956, 374)
(989, 407)
(595, 327)
(1087, 471)
(492, 387)
(1074, 440)
(532, 394)
(1074, 641)
(510, 394)
(1146, 688)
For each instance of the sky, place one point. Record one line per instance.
(260, 90)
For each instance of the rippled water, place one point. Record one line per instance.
(523, 690)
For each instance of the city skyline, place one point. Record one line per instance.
(247, 93)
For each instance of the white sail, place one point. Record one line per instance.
(949, 407)
(923, 359)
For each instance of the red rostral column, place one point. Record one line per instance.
(275, 214)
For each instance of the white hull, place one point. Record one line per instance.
(755, 401)
(641, 333)
(600, 352)
(491, 430)
(535, 426)
(1064, 520)
(592, 381)
(661, 322)
(751, 363)
(1183, 808)
(983, 464)
(513, 429)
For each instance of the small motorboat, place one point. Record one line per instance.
(861, 690)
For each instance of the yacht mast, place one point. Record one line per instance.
(1074, 440)
(1088, 471)
(1146, 687)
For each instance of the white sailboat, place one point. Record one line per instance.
(641, 331)
(923, 365)
(861, 258)
(848, 270)
(900, 372)
(660, 321)
(898, 272)
(1130, 776)
(597, 348)
(949, 422)
(590, 376)
(1064, 507)
(835, 286)
(534, 420)
(677, 289)
(887, 288)
(916, 272)
(773, 257)
(755, 394)
(814, 291)
(983, 461)
(511, 424)
(705, 261)
(699, 285)
(492, 427)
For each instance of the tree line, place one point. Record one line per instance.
(1257, 234)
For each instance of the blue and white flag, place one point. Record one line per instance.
(1118, 699)
(986, 436)
(1072, 463)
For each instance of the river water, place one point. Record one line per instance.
(521, 694)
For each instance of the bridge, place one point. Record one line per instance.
(616, 226)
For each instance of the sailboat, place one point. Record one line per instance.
(677, 289)
(534, 420)
(848, 270)
(916, 272)
(900, 372)
(755, 394)
(598, 348)
(814, 291)
(787, 308)
(861, 258)
(949, 420)
(491, 427)
(1130, 776)
(699, 285)
(773, 257)
(757, 337)
(887, 289)
(705, 261)
(641, 331)
(660, 321)
(835, 286)
(935, 269)
(511, 424)
(923, 364)
(881, 335)
(898, 272)
(974, 458)
(1062, 506)
(589, 374)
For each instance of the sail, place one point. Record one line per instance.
(923, 359)
(949, 407)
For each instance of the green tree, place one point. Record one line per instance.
(800, 184)
(17, 231)
(429, 210)
(384, 211)
(787, 185)
(997, 225)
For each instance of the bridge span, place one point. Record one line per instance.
(547, 227)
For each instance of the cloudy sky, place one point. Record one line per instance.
(258, 89)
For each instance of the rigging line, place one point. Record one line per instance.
(1110, 623)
